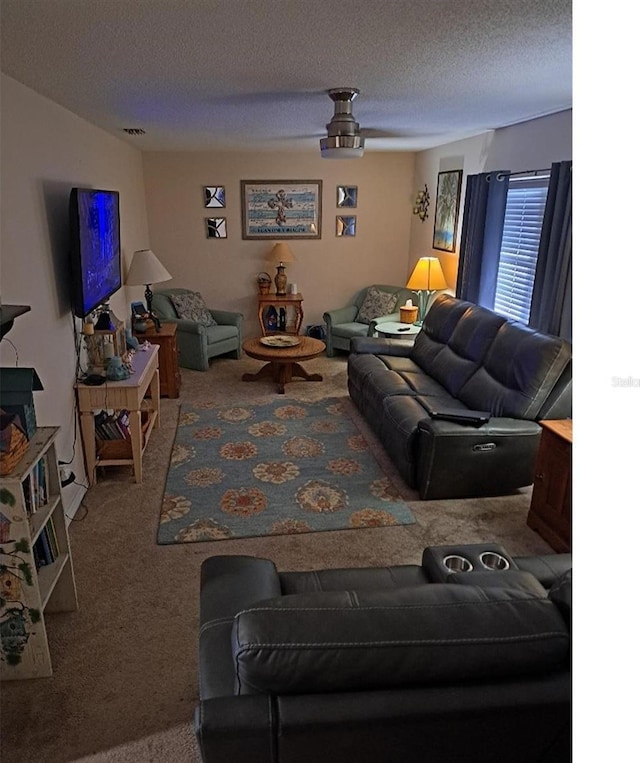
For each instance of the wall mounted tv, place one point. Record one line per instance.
(94, 230)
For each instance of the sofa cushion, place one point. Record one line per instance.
(438, 633)
(518, 374)
(455, 341)
(375, 304)
(192, 307)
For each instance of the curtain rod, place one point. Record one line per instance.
(525, 175)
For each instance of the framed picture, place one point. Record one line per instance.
(281, 209)
(447, 208)
(216, 227)
(214, 196)
(347, 196)
(345, 225)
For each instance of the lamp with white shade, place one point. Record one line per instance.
(427, 278)
(280, 253)
(145, 270)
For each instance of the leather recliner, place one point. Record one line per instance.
(386, 664)
(466, 359)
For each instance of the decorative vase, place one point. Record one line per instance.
(280, 281)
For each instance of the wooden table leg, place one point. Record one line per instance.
(135, 427)
(298, 370)
(281, 373)
(87, 424)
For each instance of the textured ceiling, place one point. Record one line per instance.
(253, 74)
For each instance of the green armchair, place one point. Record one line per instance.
(198, 343)
(349, 321)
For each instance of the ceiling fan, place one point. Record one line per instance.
(344, 139)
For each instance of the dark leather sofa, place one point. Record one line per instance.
(406, 663)
(469, 359)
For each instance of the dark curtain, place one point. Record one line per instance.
(481, 238)
(551, 298)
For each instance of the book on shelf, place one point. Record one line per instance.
(112, 425)
(35, 488)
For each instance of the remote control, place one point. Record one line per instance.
(406, 328)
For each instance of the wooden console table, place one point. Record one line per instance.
(166, 338)
(127, 394)
(290, 303)
(550, 511)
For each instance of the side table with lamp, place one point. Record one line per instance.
(286, 309)
(427, 277)
(146, 269)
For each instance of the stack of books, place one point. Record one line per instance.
(112, 426)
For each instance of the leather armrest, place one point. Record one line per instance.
(496, 425)
(375, 345)
(228, 583)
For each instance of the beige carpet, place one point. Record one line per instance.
(125, 669)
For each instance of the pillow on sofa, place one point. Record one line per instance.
(376, 303)
(192, 307)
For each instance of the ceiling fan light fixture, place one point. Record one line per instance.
(342, 147)
(343, 140)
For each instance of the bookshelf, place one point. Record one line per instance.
(36, 569)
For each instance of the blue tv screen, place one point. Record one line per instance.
(94, 221)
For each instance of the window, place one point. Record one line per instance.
(524, 213)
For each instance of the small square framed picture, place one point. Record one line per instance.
(216, 227)
(214, 196)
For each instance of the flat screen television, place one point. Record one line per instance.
(94, 226)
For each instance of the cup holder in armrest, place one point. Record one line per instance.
(494, 561)
(457, 563)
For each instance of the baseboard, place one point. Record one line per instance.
(73, 495)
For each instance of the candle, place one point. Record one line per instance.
(107, 350)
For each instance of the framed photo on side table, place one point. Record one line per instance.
(281, 209)
(447, 207)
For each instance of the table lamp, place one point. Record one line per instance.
(427, 277)
(146, 269)
(280, 254)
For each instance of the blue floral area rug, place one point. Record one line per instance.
(274, 469)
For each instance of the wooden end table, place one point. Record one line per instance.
(128, 394)
(550, 511)
(283, 363)
(166, 339)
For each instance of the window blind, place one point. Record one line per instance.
(524, 213)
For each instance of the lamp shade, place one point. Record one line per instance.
(427, 275)
(281, 252)
(146, 268)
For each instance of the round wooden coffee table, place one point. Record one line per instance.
(283, 363)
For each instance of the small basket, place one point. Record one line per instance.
(16, 446)
(264, 283)
(408, 314)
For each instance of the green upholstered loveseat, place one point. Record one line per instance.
(342, 324)
(198, 343)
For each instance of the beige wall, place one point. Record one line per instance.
(46, 150)
(328, 271)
